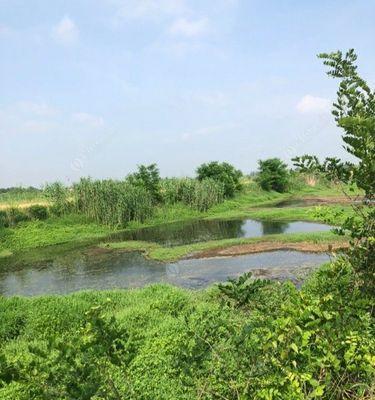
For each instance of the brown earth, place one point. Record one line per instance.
(269, 246)
(331, 199)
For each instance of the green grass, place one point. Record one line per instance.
(54, 230)
(160, 253)
(19, 196)
(161, 342)
(75, 228)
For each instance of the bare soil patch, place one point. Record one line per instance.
(270, 246)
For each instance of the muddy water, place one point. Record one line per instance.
(204, 230)
(80, 270)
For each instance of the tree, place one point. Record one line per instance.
(148, 177)
(224, 172)
(354, 112)
(273, 175)
(332, 167)
(307, 164)
(337, 170)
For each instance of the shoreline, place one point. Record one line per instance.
(319, 242)
(243, 249)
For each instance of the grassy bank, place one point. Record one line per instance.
(54, 230)
(160, 253)
(269, 341)
(252, 202)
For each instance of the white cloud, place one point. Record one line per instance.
(25, 117)
(91, 120)
(36, 109)
(312, 105)
(66, 31)
(190, 28)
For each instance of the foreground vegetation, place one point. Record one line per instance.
(247, 339)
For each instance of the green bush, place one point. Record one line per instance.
(199, 195)
(273, 175)
(249, 339)
(148, 177)
(16, 215)
(38, 212)
(224, 173)
(4, 220)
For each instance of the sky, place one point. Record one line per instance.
(97, 87)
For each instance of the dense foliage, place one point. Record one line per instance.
(354, 112)
(273, 175)
(332, 168)
(148, 177)
(224, 173)
(58, 195)
(117, 202)
(111, 202)
(251, 340)
(12, 216)
(199, 195)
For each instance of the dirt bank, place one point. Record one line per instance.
(269, 246)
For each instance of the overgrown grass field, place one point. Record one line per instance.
(251, 202)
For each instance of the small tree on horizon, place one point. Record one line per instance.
(148, 176)
(273, 175)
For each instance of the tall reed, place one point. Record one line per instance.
(111, 202)
(116, 203)
(200, 195)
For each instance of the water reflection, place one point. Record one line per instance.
(109, 270)
(174, 234)
(274, 227)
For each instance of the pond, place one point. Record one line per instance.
(179, 233)
(108, 270)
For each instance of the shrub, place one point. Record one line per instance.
(38, 211)
(273, 175)
(199, 195)
(148, 177)
(221, 172)
(4, 221)
(16, 215)
(265, 340)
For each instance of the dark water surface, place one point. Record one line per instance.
(298, 203)
(109, 270)
(179, 233)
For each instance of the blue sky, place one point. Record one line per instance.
(95, 87)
